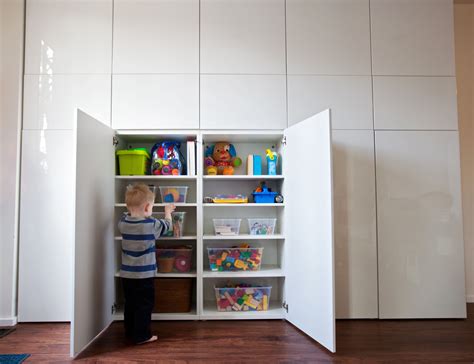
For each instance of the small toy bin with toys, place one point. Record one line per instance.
(226, 226)
(173, 194)
(263, 194)
(261, 226)
(133, 162)
(166, 159)
(178, 219)
(174, 260)
(242, 297)
(235, 259)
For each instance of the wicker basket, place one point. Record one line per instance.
(173, 295)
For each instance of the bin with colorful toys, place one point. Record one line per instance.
(241, 258)
(242, 297)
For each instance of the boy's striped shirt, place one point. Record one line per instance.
(138, 245)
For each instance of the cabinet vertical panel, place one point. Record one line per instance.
(155, 101)
(412, 37)
(156, 36)
(46, 226)
(355, 223)
(243, 102)
(51, 101)
(420, 241)
(329, 37)
(243, 36)
(73, 36)
(348, 97)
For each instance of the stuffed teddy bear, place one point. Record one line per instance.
(221, 158)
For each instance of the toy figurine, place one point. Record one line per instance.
(221, 158)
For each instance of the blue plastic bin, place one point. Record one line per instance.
(264, 197)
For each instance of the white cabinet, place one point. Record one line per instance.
(416, 103)
(51, 101)
(46, 226)
(156, 36)
(328, 37)
(72, 36)
(348, 97)
(155, 101)
(412, 37)
(355, 224)
(420, 241)
(243, 36)
(298, 262)
(243, 102)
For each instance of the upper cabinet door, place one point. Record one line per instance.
(243, 36)
(243, 102)
(156, 36)
(412, 37)
(309, 255)
(73, 36)
(94, 250)
(328, 37)
(155, 101)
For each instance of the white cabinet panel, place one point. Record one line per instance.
(46, 226)
(243, 102)
(420, 241)
(348, 97)
(51, 101)
(155, 101)
(421, 103)
(412, 37)
(328, 37)
(73, 36)
(355, 224)
(243, 36)
(156, 36)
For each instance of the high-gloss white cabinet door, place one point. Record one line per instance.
(329, 37)
(156, 36)
(46, 226)
(355, 223)
(348, 97)
(243, 36)
(51, 101)
(155, 101)
(412, 37)
(68, 36)
(419, 103)
(243, 102)
(420, 241)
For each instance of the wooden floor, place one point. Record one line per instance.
(367, 341)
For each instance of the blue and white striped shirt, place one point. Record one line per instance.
(138, 245)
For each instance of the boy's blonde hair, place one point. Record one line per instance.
(137, 195)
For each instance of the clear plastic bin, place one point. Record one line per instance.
(243, 298)
(234, 259)
(178, 218)
(261, 226)
(226, 226)
(174, 260)
(173, 194)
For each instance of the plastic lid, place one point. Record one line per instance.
(136, 151)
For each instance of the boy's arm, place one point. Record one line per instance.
(161, 227)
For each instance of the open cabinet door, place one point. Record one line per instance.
(309, 254)
(94, 254)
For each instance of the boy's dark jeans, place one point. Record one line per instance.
(139, 300)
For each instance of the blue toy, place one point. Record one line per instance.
(272, 160)
(264, 195)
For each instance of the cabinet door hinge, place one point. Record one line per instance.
(283, 141)
(113, 309)
(115, 141)
(285, 306)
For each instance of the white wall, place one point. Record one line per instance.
(11, 69)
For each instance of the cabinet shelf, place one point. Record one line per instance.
(191, 274)
(251, 204)
(244, 237)
(192, 315)
(243, 177)
(177, 204)
(185, 237)
(170, 178)
(275, 311)
(265, 271)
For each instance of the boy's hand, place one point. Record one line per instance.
(168, 210)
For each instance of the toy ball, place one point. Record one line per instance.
(159, 162)
(175, 172)
(228, 171)
(166, 162)
(212, 171)
(182, 263)
(237, 162)
(166, 170)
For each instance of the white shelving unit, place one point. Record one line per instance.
(297, 259)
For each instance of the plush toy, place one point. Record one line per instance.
(221, 158)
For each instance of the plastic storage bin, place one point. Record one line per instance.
(259, 226)
(173, 295)
(178, 219)
(133, 161)
(234, 259)
(174, 260)
(226, 226)
(242, 298)
(173, 193)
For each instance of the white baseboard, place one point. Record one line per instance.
(470, 298)
(12, 321)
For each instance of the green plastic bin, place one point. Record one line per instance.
(133, 162)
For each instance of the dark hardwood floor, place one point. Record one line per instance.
(358, 341)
